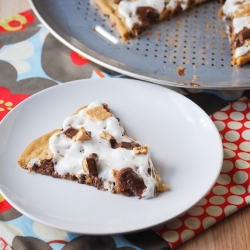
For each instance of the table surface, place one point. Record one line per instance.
(231, 233)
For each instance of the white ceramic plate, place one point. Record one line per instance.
(186, 151)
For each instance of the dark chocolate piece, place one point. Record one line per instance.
(71, 132)
(92, 164)
(129, 183)
(240, 37)
(46, 167)
(127, 145)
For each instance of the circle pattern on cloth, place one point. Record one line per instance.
(228, 154)
(196, 211)
(234, 125)
(208, 221)
(220, 125)
(247, 124)
(236, 116)
(214, 211)
(232, 136)
(239, 106)
(217, 200)
(240, 177)
(230, 145)
(192, 223)
(241, 164)
(187, 234)
(246, 134)
(220, 116)
(170, 236)
(220, 190)
(227, 166)
(245, 146)
(248, 116)
(202, 202)
(224, 179)
(235, 200)
(245, 156)
(247, 199)
(230, 209)
(238, 190)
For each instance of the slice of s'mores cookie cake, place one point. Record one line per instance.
(93, 148)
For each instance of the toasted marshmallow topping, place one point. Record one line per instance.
(128, 8)
(69, 154)
(238, 25)
(230, 6)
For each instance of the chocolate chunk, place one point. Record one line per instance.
(147, 14)
(127, 145)
(105, 106)
(241, 37)
(129, 183)
(71, 132)
(97, 182)
(92, 164)
(46, 167)
(34, 167)
(113, 143)
(105, 135)
(82, 179)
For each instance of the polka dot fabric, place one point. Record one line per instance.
(231, 192)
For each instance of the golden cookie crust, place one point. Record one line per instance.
(242, 59)
(108, 7)
(35, 148)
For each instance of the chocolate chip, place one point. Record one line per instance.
(46, 167)
(129, 183)
(147, 15)
(97, 182)
(241, 37)
(105, 106)
(34, 167)
(92, 164)
(127, 145)
(113, 143)
(71, 132)
(82, 179)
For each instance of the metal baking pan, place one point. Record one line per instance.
(192, 50)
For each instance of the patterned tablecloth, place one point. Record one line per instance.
(31, 59)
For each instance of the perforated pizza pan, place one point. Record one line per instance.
(192, 50)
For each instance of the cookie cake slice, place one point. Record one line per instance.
(132, 17)
(93, 148)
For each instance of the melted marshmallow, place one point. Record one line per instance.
(240, 22)
(68, 154)
(174, 3)
(238, 25)
(230, 6)
(128, 9)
